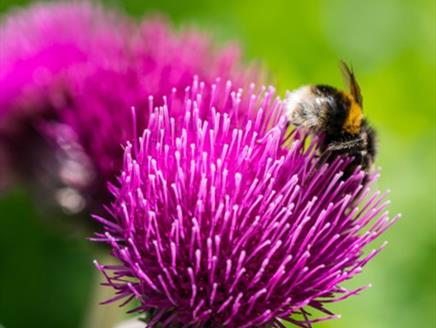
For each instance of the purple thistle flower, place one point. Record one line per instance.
(218, 222)
(71, 73)
(42, 49)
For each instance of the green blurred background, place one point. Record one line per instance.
(46, 279)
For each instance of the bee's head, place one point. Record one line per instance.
(305, 109)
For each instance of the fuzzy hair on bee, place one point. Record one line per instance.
(336, 115)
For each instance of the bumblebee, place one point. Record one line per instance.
(337, 116)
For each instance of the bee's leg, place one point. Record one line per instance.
(351, 147)
(288, 132)
(354, 148)
(330, 151)
(345, 146)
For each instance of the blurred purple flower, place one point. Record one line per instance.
(44, 44)
(71, 71)
(42, 49)
(217, 222)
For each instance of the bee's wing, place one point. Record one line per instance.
(350, 80)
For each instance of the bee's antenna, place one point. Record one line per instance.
(290, 134)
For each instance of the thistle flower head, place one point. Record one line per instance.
(42, 49)
(218, 222)
(70, 73)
